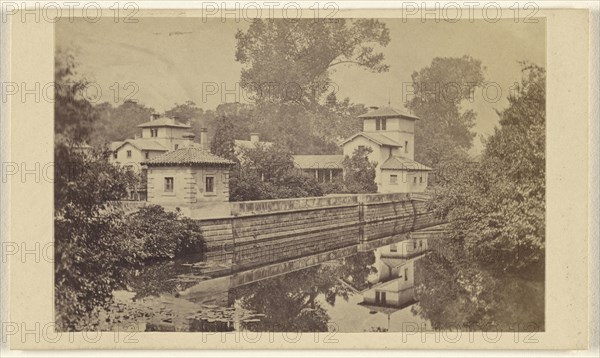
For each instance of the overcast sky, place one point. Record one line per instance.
(172, 60)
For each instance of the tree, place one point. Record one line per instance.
(444, 131)
(87, 250)
(147, 228)
(223, 143)
(290, 61)
(268, 172)
(359, 172)
(94, 245)
(74, 115)
(119, 123)
(186, 112)
(494, 255)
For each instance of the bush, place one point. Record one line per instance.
(154, 233)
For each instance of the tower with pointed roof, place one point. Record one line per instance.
(389, 132)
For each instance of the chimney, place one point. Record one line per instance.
(204, 138)
(154, 116)
(254, 137)
(189, 139)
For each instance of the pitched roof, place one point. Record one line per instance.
(378, 138)
(401, 163)
(115, 145)
(193, 155)
(141, 144)
(319, 161)
(164, 122)
(388, 112)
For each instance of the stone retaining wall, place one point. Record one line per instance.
(270, 231)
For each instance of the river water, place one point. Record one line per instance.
(357, 288)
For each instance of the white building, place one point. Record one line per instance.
(390, 134)
(158, 136)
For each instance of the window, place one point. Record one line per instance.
(380, 297)
(406, 147)
(420, 243)
(115, 155)
(421, 179)
(393, 248)
(128, 154)
(210, 185)
(415, 180)
(176, 146)
(380, 123)
(361, 148)
(154, 132)
(393, 179)
(405, 274)
(169, 184)
(147, 155)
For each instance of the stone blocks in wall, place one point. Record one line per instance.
(269, 231)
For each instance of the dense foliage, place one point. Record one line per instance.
(223, 142)
(359, 172)
(444, 131)
(153, 233)
(290, 61)
(268, 172)
(94, 243)
(496, 211)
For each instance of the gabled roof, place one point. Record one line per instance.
(141, 144)
(319, 161)
(378, 138)
(396, 162)
(115, 145)
(388, 112)
(188, 156)
(164, 122)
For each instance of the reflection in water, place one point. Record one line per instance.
(348, 290)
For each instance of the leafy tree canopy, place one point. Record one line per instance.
(492, 263)
(360, 172)
(292, 60)
(444, 130)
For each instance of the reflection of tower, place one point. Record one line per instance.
(394, 288)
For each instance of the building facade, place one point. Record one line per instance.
(389, 133)
(190, 179)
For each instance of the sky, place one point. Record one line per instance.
(163, 61)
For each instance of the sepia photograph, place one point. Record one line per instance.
(300, 175)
